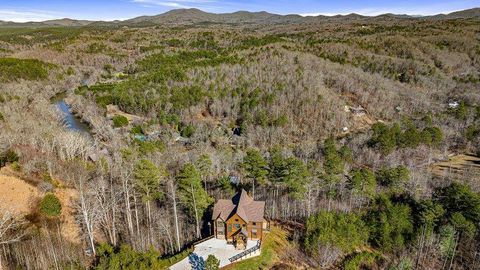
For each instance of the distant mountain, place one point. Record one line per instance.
(468, 13)
(67, 22)
(196, 16)
(193, 16)
(59, 22)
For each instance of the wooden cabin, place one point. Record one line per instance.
(239, 219)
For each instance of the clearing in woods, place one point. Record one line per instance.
(16, 195)
(20, 198)
(456, 166)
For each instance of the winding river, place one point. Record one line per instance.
(72, 122)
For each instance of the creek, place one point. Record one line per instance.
(71, 121)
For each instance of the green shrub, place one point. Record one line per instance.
(334, 162)
(472, 132)
(212, 263)
(120, 121)
(385, 137)
(170, 119)
(393, 177)
(428, 215)
(95, 47)
(281, 121)
(226, 185)
(461, 224)
(343, 230)
(9, 157)
(12, 69)
(147, 147)
(2, 118)
(137, 130)
(188, 131)
(447, 241)
(186, 96)
(16, 166)
(125, 257)
(432, 136)
(357, 260)
(46, 177)
(363, 182)
(50, 205)
(459, 199)
(388, 138)
(390, 223)
(70, 71)
(460, 112)
(404, 264)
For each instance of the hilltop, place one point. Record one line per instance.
(195, 16)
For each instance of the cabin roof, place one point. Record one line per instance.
(242, 205)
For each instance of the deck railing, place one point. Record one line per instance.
(246, 252)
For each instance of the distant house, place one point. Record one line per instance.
(179, 139)
(358, 111)
(239, 219)
(453, 104)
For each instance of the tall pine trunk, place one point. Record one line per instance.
(196, 212)
(175, 215)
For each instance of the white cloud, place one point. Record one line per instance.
(26, 15)
(175, 3)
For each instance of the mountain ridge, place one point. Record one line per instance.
(193, 16)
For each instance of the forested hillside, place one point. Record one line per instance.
(361, 134)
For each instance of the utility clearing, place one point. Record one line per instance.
(457, 166)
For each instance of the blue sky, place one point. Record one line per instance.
(38, 10)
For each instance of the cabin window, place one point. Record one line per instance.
(236, 220)
(254, 223)
(229, 227)
(254, 233)
(237, 226)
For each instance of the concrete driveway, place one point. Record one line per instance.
(217, 247)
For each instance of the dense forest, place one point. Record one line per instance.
(361, 134)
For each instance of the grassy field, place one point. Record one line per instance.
(273, 243)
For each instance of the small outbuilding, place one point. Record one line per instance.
(453, 104)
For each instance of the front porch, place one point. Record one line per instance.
(217, 247)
